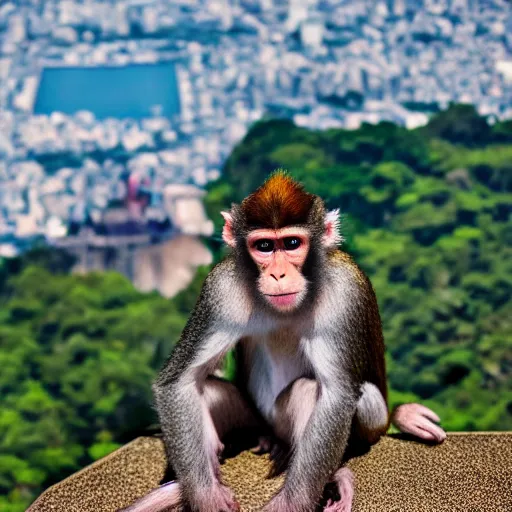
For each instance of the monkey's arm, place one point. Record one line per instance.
(190, 437)
(319, 451)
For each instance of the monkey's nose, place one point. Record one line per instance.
(280, 277)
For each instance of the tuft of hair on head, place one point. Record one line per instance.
(280, 201)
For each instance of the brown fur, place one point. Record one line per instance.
(279, 202)
(376, 348)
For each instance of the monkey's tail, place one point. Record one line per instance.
(162, 498)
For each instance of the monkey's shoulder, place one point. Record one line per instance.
(352, 296)
(222, 275)
(224, 293)
(342, 263)
(347, 278)
(337, 256)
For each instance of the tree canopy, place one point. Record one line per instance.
(78, 355)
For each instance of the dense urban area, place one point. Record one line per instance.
(323, 63)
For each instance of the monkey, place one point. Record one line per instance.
(304, 319)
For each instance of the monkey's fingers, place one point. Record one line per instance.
(419, 421)
(430, 430)
(410, 410)
(425, 411)
(424, 429)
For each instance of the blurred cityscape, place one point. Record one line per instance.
(66, 169)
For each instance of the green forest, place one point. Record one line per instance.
(425, 212)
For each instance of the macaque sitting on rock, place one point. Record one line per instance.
(306, 324)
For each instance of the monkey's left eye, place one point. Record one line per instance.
(291, 243)
(264, 245)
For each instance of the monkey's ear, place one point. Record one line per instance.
(227, 231)
(332, 236)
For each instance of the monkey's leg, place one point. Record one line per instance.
(293, 408)
(371, 419)
(370, 423)
(224, 409)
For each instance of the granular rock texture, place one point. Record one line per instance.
(467, 473)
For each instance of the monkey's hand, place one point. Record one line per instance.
(419, 421)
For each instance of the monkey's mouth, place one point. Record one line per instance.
(282, 299)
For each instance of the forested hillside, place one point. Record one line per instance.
(426, 213)
(77, 358)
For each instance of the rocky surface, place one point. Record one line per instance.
(468, 472)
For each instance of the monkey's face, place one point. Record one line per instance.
(279, 256)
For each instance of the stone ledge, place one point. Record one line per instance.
(469, 472)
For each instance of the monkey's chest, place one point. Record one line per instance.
(272, 365)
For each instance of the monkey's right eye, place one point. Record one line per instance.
(264, 245)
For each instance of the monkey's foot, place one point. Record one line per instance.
(419, 421)
(218, 499)
(344, 479)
